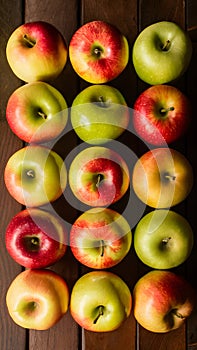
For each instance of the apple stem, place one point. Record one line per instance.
(166, 240)
(29, 42)
(34, 241)
(101, 101)
(170, 177)
(100, 310)
(102, 246)
(166, 45)
(177, 314)
(31, 173)
(98, 180)
(97, 51)
(41, 114)
(165, 110)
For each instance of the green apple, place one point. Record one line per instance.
(99, 113)
(37, 112)
(161, 53)
(100, 238)
(100, 301)
(163, 239)
(35, 175)
(37, 299)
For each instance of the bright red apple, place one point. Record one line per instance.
(162, 114)
(98, 52)
(36, 51)
(37, 299)
(98, 176)
(100, 238)
(36, 238)
(162, 301)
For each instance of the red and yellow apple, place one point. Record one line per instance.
(98, 52)
(162, 177)
(37, 299)
(36, 51)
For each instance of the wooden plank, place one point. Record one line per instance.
(10, 18)
(64, 16)
(124, 16)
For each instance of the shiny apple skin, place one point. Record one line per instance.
(37, 299)
(98, 176)
(42, 61)
(35, 175)
(113, 56)
(162, 178)
(37, 112)
(36, 238)
(100, 289)
(100, 238)
(159, 128)
(162, 301)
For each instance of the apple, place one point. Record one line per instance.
(98, 176)
(36, 238)
(161, 53)
(100, 238)
(162, 114)
(99, 113)
(36, 51)
(37, 299)
(37, 112)
(35, 175)
(162, 301)
(163, 239)
(162, 178)
(98, 52)
(100, 301)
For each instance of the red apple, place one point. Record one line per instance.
(100, 238)
(36, 238)
(162, 178)
(98, 176)
(162, 114)
(37, 112)
(37, 299)
(36, 51)
(98, 52)
(162, 301)
(35, 175)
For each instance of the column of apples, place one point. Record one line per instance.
(98, 176)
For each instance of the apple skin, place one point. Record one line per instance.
(100, 301)
(162, 114)
(37, 299)
(162, 178)
(98, 176)
(163, 239)
(37, 112)
(35, 175)
(36, 238)
(162, 301)
(100, 238)
(36, 51)
(161, 53)
(98, 52)
(99, 114)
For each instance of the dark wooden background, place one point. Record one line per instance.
(130, 17)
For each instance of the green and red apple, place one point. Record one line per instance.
(161, 53)
(162, 301)
(98, 176)
(98, 52)
(37, 112)
(162, 177)
(163, 239)
(36, 238)
(162, 114)
(35, 175)
(100, 238)
(36, 51)
(99, 113)
(100, 301)
(37, 299)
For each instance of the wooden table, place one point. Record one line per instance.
(130, 17)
